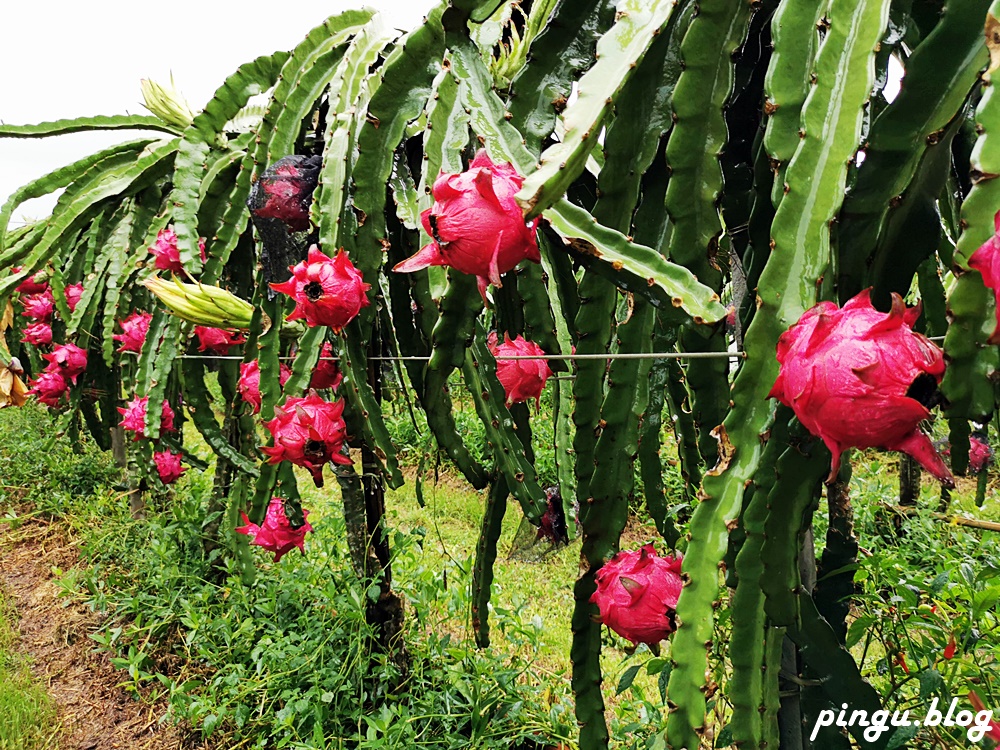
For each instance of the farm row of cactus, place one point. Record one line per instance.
(693, 172)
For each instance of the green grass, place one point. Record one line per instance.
(27, 713)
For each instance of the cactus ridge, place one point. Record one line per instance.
(486, 555)
(832, 118)
(940, 72)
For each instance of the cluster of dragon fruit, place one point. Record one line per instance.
(855, 377)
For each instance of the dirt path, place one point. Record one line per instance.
(94, 712)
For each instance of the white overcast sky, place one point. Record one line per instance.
(70, 58)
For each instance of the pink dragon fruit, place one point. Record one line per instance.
(38, 307)
(308, 432)
(49, 388)
(637, 594)
(73, 293)
(68, 359)
(285, 191)
(134, 330)
(476, 225)
(134, 416)
(276, 533)
(218, 340)
(326, 374)
(166, 255)
(856, 377)
(327, 291)
(34, 284)
(249, 382)
(37, 334)
(522, 379)
(168, 466)
(986, 260)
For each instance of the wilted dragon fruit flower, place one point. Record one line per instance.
(38, 306)
(476, 225)
(285, 190)
(276, 533)
(68, 359)
(986, 260)
(522, 379)
(37, 334)
(308, 432)
(49, 388)
(249, 382)
(218, 340)
(326, 374)
(168, 466)
(134, 416)
(73, 293)
(856, 377)
(166, 254)
(327, 291)
(637, 594)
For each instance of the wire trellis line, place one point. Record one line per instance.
(619, 355)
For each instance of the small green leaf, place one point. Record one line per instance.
(901, 736)
(628, 678)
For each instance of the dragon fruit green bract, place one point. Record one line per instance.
(69, 359)
(522, 379)
(276, 533)
(637, 594)
(857, 377)
(249, 382)
(168, 466)
(476, 225)
(986, 260)
(327, 291)
(308, 432)
(134, 330)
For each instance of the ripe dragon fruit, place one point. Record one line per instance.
(476, 225)
(49, 388)
(522, 379)
(134, 330)
(218, 340)
(37, 334)
(986, 260)
(308, 432)
(276, 533)
(38, 307)
(166, 254)
(326, 374)
(168, 466)
(856, 377)
(34, 284)
(286, 190)
(637, 594)
(249, 382)
(68, 359)
(327, 291)
(73, 294)
(134, 416)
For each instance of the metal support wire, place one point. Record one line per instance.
(566, 357)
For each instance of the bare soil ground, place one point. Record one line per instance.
(95, 713)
